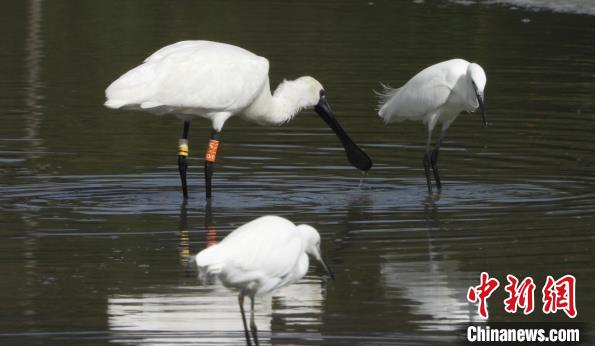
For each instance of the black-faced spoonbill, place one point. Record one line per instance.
(438, 94)
(260, 257)
(217, 81)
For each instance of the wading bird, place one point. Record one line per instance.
(260, 257)
(437, 94)
(217, 81)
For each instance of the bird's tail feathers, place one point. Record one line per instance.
(207, 272)
(115, 104)
(209, 261)
(384, 97)
(385, 94)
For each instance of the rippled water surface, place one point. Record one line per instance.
(95, 240)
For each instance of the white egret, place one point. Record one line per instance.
(260, 257)
(438, 94)
(217, 81)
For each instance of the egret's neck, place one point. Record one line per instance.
(279, 107)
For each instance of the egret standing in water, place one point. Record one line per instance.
(218, 81)
(260, 257)
(436, 95)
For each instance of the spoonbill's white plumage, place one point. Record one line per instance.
(217, 81)
(261, 256)
(436, 95)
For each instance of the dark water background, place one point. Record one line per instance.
(95, 240)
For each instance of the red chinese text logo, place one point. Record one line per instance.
(482, 292)
(559, 295)
(519, 295)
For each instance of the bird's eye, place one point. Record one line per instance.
(322, 93)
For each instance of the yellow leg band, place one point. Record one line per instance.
(183, 147)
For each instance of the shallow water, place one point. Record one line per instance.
(96, 240)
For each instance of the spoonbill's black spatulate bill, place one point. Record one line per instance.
(217, 81)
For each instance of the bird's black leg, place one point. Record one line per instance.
(252, 323)
(426, 160)
(246, 333)
(183, 158)
(210, 157)
(434, 160)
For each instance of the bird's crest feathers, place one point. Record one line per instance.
(291, 96)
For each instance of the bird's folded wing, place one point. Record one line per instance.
(265, 249)
(275, 258)
(193, 74)
(416, 98)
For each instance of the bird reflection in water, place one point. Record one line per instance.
(432, 283)
(184, 234)
(207, 313)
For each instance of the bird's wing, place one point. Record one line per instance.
(271, 264)
(424, 93)
(181, 46)
(193, 74)
(266, 248)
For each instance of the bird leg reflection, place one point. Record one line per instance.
(212, 238)
(246, 333)
(183, 158)
(184, 237)
(210, 157)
